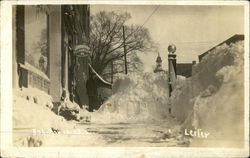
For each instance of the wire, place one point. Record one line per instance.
(189, 42)
(146, 19)
(150, 16)
(205, 42)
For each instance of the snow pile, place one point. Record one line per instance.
(36, 96)
(136, 98)
(213, 99)
(36, 125)
(181, 103)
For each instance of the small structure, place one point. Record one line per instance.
(184, 69)
(158, 64)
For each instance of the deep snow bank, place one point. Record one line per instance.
(213, 99)
(136, 97)
(34, 124)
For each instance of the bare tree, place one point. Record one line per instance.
(134, 65)
(106, 41)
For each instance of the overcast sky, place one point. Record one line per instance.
(193, 29)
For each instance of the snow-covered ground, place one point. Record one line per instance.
(34, 124)
(159, 133)
(136, 115)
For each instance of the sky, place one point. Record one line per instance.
(193, 29)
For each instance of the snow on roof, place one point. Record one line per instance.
(93, 70)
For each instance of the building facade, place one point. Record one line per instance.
(184, 69)
(45, 44)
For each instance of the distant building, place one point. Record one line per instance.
(232, 39)
(184, 69)
(158, 67)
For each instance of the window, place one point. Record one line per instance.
(36, 37)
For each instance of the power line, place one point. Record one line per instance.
(147, 19)
(198, 42)
(150, 15)
(188, 42)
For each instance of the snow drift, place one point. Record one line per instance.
(136, 98)
(213, 98)
(34, 124)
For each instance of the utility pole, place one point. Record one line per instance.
(112, 70)
(125, 51)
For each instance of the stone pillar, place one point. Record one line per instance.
(172, 59)
(55, 50)
(66, 65)
(171, 66)
(171, 70)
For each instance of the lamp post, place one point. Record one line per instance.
(171, 69)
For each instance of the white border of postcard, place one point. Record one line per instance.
(136, 152)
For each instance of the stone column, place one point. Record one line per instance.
(171, 66)
(171, 70)
(55, 50)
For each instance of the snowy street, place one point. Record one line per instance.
(139, 134)
(126, 119)
(136, 114)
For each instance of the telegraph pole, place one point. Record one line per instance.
(112, 70)
(125, 51)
